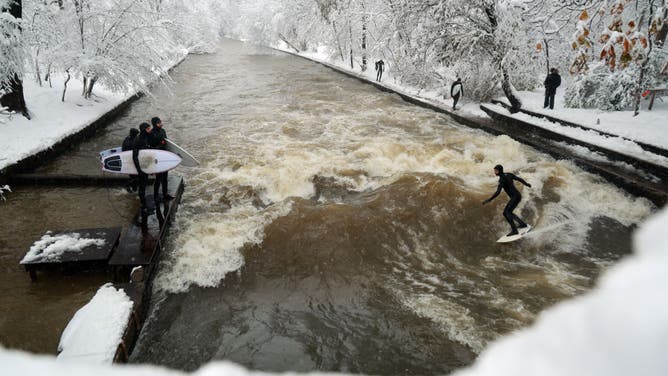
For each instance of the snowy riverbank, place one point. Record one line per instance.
(52, 119)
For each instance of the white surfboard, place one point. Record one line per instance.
(188, 159)
(456, 90)
(512, 238)
(151, 161)
(108, 152)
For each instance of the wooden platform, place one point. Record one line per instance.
(88, 257)
(142, 241)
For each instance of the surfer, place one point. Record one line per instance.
(456, 91)
(128, 143)
(159, 136)
(506, 183)
(142, 141)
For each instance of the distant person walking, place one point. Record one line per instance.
(456, 92)
(506, 183)
(380, 66)
(128, 144)
(552, 82)
(142, 141)
(159, 141)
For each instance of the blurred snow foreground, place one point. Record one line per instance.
(620, 328)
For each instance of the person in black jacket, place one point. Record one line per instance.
(456, 91)
(506, 183)
(552, 82)
(159, 141)
(380, 66)
(142, 141)
(128, 143)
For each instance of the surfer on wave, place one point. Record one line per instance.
(506, 183)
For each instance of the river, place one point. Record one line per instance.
(335, 227)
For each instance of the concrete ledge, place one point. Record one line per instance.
(647, 147)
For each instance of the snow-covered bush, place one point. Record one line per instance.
(11, 54)
(602, 89)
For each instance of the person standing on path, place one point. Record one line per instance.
(159, 141)
(380, 66)
(506, 183)
(142, 141)
(456, 91)
(552, 82)
(128, 144)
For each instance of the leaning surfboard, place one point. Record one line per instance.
(151, 161)
(188, 159)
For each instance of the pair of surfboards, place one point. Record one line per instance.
(512, 238)
(151, 161)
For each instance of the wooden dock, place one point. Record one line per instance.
(135, 247)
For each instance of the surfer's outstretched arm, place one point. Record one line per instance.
(498, 190)
(519, 179)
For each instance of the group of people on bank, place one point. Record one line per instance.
(148, 136)
(551, 83)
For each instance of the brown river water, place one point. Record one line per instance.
(329, 227)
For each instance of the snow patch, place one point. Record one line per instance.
(50, 248)
(97, 328)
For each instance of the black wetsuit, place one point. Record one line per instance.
(128, 144)
(158, 137)
(460, 93)
(380, 66)
(143, 141)
(506, 183)
(552, 82)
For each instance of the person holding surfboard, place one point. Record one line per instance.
(128, 144)
(142, 141)
(456, 91)
(159, 141)
(506, 183)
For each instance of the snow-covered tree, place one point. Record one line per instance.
(11, 63)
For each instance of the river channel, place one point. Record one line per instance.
(335, 227)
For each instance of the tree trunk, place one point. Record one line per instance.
(364, 21)
(88, 91)
(350, 34)
(547, 55)
(338, 41)
(62, 99)
(13, 98)
(509, 91)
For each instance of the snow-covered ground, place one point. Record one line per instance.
(650, 127)
(96, 330)
(620, 328)
(52, 120)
